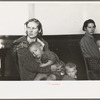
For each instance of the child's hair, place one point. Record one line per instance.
(34, 44)
(70, 65)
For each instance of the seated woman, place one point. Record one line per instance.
(28, 67)
(87, 43)
(89, 47)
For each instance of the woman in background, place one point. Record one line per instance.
(90, 49)
(88, 46)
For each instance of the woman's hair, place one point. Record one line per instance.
(39, 26)
(87, 22)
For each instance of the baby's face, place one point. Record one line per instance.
(36, 51)
(71, 72)
(98, 43)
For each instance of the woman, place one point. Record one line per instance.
(88, 45)
(90, 49)
(28, 67)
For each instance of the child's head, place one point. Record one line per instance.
(98, 43)
(71, 69)
(35, 49)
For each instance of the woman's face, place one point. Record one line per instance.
(90, 28)
(32, 30)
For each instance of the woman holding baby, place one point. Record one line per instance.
(28, 67)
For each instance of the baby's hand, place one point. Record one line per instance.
(42, 65)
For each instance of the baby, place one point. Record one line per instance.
(45, 59)
(98, 44)
(71, 71)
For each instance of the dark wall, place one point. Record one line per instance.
(65, 46)
(68, 49)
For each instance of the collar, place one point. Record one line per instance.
(36, 40)
(31, 40)
(42, 44)
(89, 35)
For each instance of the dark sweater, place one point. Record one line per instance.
(28, 67)
(89, 47)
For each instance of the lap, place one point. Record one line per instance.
(40, 76)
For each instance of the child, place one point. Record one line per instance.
(44, 58)
(70, 71)
(98, 44)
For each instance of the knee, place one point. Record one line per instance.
(51, 77)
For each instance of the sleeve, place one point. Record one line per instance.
(46, 47)
(89, 49)
(26, 60)
(19, 43)
(51, 56)
(17, 46)
(84, 48)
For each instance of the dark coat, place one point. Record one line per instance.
(28, 67)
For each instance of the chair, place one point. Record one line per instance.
(92, 68)
(88, 71)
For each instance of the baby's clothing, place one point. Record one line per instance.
(46, 56)
(49, 55)
(67, 77)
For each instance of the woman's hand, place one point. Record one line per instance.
(42, 65)
(54, 68)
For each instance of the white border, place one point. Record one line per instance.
(49, 89)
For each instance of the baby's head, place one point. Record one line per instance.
(35, 49)
(98, 43)
(71, 69)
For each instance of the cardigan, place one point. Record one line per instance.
(28, 67)
(89, 47)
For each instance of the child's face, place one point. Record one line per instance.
(71, 71)
(36, 51)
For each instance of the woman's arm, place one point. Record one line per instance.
(27, 61)
(20, 43)
(50, 62)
